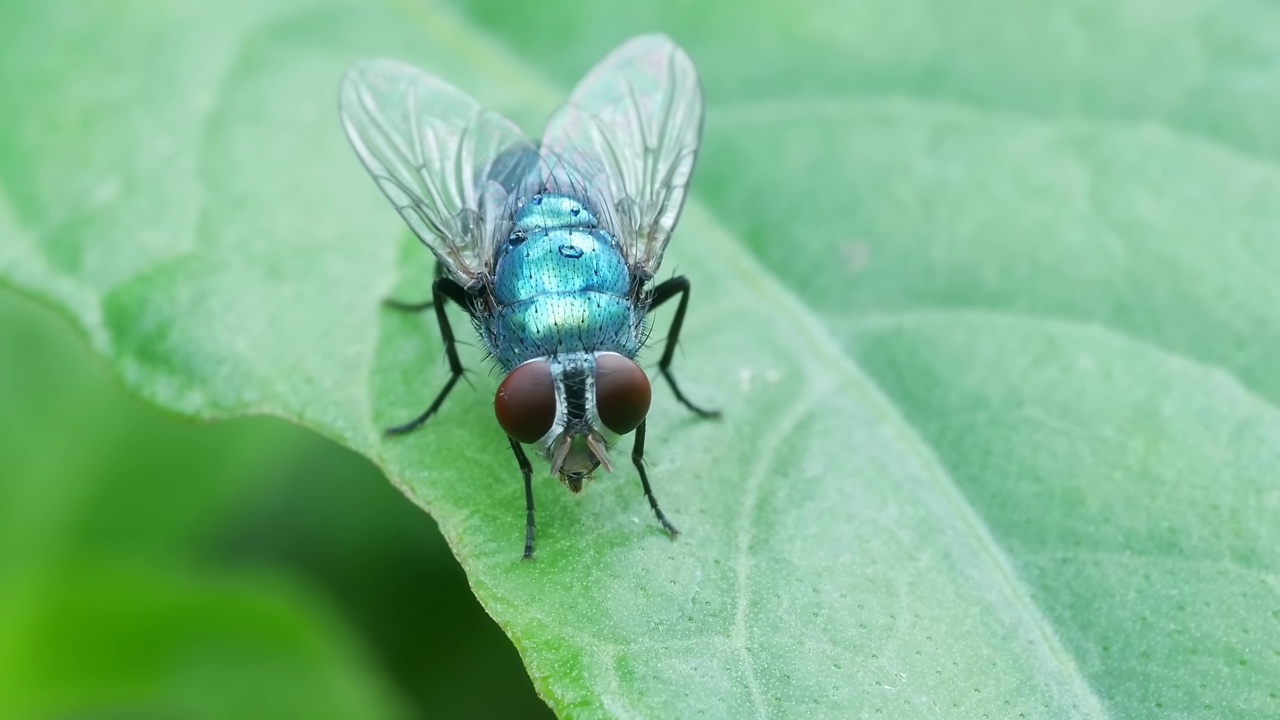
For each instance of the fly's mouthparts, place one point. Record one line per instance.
(561, 452)
(598, 449)
(578, 455)
(574, 482)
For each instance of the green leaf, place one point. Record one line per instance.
(984, 291)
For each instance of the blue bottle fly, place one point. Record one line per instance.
(549, 248)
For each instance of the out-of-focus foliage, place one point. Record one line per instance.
(150, 567)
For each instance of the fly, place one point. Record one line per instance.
(549, 248)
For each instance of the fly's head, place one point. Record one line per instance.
(573, 407)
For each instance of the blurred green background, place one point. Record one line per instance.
(148, 563)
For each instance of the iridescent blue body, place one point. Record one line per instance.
(561, 285)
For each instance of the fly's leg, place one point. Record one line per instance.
(443, 288)
(637, 457)
(418, 306)
(407, 306)
(662, 293)
(527, 471)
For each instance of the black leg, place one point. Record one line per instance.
(637, 457)
(662, 293)
(527, 471)
(443, 288)
(418, 306)
(407, 306)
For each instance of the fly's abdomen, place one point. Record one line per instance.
(561, 288)
(560, 260)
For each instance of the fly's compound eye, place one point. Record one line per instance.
(526, 402)
(622, 393)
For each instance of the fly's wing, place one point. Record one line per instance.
(446, 165)
(630, 132)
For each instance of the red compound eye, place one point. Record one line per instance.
(622, 393)
(526, 402)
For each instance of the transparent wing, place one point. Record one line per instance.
(630, 131)
(444, 163)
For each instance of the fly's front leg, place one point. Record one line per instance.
(443, 288)
(662, 293)
(637, 457)
(527, 471)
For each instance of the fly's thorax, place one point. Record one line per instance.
(572, 407)
(557, 324)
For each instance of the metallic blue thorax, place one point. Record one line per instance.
(561, 285)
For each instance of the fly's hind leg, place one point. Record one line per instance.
(444, 288)
(407, 306)
(418, 306)
(663, 292)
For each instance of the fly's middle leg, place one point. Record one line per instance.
(444, 288)
(663, 292)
